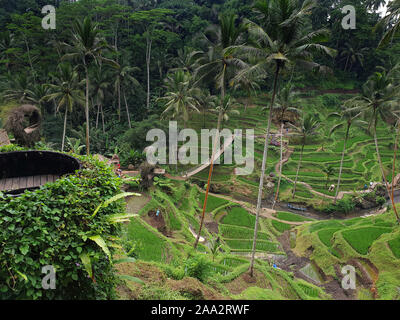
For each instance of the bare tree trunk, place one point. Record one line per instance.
(148, 59)
(298, 169)
(119, 101)
(102, 119)
(393, 171)
(65, 129)
(280, 169)
(211, 162)
(97, 117)
(261, 185)
(341, 163)
(87, 112)
(127, 111)
(209, 180)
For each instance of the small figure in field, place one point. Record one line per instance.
(331, 188)
(117, 165)
(157, 213)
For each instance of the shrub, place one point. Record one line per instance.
(344, 205)
(54, 226)
(198, 266)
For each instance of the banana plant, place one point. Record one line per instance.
(98, 239)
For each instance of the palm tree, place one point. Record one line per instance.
(18, 88)
(378, 100)
(36, 93)
(391, 22)
(127, 80)
(281, 39)
(206, 102)
(99, 87)
(66, 92)
(348, 116)
(286, 101)
(352, 56)
(308, 127)
(6, 48)
(218, 64)
(224, 108)
(180, 97)
(329, 171)
(88, 46)
(219, 60)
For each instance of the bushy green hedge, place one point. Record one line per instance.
(53, 226)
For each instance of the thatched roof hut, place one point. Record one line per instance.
(24, 123)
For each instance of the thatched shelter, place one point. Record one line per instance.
(4, 140)
(24, 123)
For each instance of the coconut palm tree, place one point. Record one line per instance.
(66, 92)
(329, 171)
(391, 22)
(378, 100)
(286, 101)
(219, 64)
(352, 56)
(348, 117)
(128, 81)
(123, 75)
(18, 88)
(7, 48)
(224, 108)
(180, 97)
(206, 102)
(87, 47)
(99, 86)
(280, 40)
(308, 127)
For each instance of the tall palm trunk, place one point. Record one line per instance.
(280, 169)
(341, 162)
(97, 116)
(87, 112)
(212, 160)
(390, 193)
(298, 169)
(102, 119)
(209, 180)
(380, 161)
(393, 171)
(261, 185)
(119, 101)
(148, 59)
(127, 111)
(65, 129)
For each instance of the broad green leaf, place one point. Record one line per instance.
(130, 278)
(87, 263)
(113, 199)
(22, 275)
(102, 244)
(122, 260)
(24, 249)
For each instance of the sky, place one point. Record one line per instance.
(382, 9)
